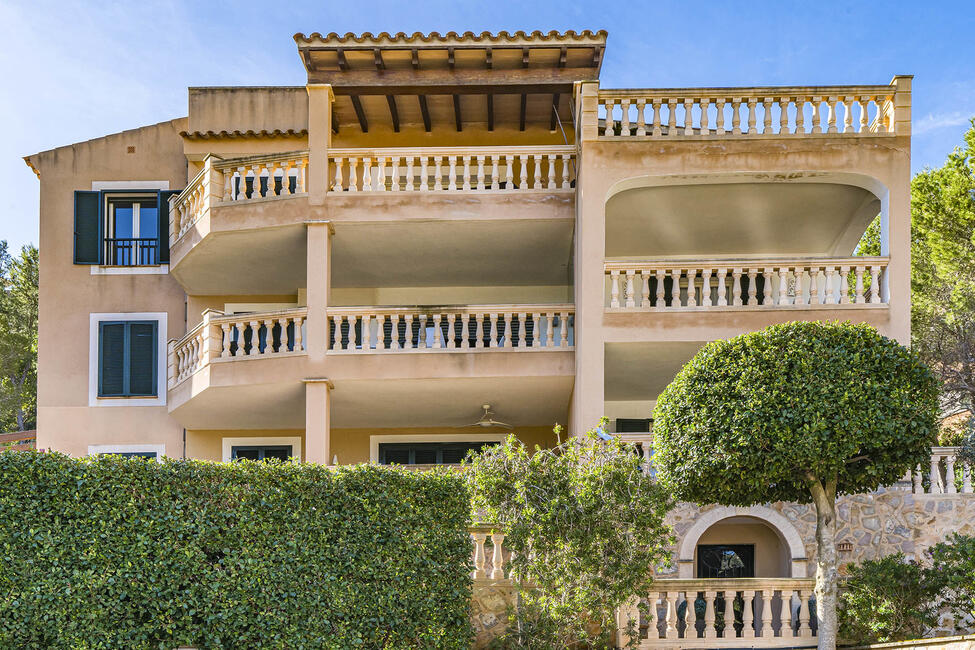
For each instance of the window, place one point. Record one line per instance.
(428, 453)
(127, 358)
(261, 452)
(726, 561)
(140, 450)
(633, 425)
(122, 227)
(130, 454)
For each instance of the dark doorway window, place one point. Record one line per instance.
(261, 452)
(726, 561)
(427, 453)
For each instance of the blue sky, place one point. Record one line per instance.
(78, 70)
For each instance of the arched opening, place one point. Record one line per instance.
(742, 547)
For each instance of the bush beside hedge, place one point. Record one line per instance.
(110, 553)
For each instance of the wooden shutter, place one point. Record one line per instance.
(142, 358)
(111, 359)
(87, 228)
(163, 212)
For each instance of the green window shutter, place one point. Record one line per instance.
(87, 228)
(111, 359)
(163, 211)
(142, 358)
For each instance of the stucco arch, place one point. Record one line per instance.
(784, 527)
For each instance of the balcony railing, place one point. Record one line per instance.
(718, 612)
(452, 169)
(769, 284)
(947, 474)
(491, 327)
(746, 112)
(251, 336)
(130, 251)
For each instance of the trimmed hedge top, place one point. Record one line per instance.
(111, 553)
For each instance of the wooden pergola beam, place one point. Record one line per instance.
(359, 113)
(457, 117)
(490, 112)
(380, 64)
(555, 112)
(343, 64)
(524, 111)
(425, 112)
(393, 113)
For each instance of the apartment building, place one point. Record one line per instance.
(440, 233)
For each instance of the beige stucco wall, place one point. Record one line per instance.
(69, 292)
(771, 555)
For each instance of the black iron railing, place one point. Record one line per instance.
(130, 251)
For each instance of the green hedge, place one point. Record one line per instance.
(115, 553)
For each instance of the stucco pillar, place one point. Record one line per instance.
(590, 250)
(902, 103)
(318, 287)
(320, 100)
(899, 217)
(317, 414)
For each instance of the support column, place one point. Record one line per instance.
(320, 99)
(587, 403)
(896, 220)
(318, 287)
(317, 413)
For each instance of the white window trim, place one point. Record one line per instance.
(95, 450)
(163, 360)
(374, 441)
(230, 443)
(123, 186)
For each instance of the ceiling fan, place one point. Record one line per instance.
(486, 421)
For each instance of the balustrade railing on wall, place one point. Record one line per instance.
(742, 612)
(387, 330)
(727, 112)
(703, 284)
(489, 553)
(256, 335)
(264, 177)
(451, 169)
(946, 474)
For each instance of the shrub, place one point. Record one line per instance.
(890, 599)
(585, 525)
(953, 562)
(115, 553)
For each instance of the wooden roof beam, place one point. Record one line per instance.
(490, 111)
(425, 112)
(380, 64)
(359, 113)
(488, 58)
(343, 64)
(335, 121)
(457, 117)
(597, 55)
(524, 56)
(393, 113)
(555, 112)
(450, 58)
(415, 58)
(524, 111)
(563, 54)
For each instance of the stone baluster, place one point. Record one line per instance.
(752, 118)
(748, 614)
(785, 614)
(368, 182)
(421, 334)
(625, 117)
(424, 174)
(437, 173)
(409, 344)
(813, 285)
(465, 332)
(859, 299)
(380, 332)
(452, 172)
(784, 115)
(692, 287)
(479, 558)
(844, 285)
(767, 273)
(783, 286)
(495, 180)
(829, 290)
(656, 130)
(492, 332)
(549, 330)
(800, 116)
(831, 114)
(480, 173)
(299, 337)
(736, 115)
(935, 475)
(767, 632)
(874, 285)
(918, 481)
(409, 185)
(644, 289)
(848, 114)
(465, 180)
(353, 174)
(523, 172)
(966, 478)
(225, 345)
(630, 302)
(566, 183)
(949, 485)
(536, 171)
(551, 158)
(523, 329)
(609, 122)
(706, 288)
(497, 558)
(736, 287)
(661, 301)
(302, 179)
(614, 282)
(767, 116)
(509, 172)
(564, 333)
(709, 615)
(705, 103)
(688, 116)
(672, 117)
(670, 631)
(722, 289)
(269, 336)
(719, 123)
(862, 123)
(800, 275)
(508, 338)
(752, 287)
(641, 122)
(394, 174)
(675, 288)
(728, 628)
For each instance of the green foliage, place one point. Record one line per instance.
(943, 272)
(585, 525)
(18, 339)
(115, 553)
(953, 562)
(753, 419)
(890, 599)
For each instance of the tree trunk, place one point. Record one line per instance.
(827, 574)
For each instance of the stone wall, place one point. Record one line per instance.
(489, 609)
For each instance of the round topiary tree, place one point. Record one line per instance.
(797, 412)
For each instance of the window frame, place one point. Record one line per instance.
(109, 225)
(94, 359)
(262, 450)
(123, 189)
(376, 440)
(126, 360)
(228, 444)
(736, 548)
(99, 450)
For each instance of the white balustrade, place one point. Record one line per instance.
(719, 612)
(240, 336)
(744, 112)
(707, 284)
(451, 169)
(394, 329)
(946, 473)
(489, 553)
(264, 177)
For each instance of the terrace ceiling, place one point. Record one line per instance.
(514, 79)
